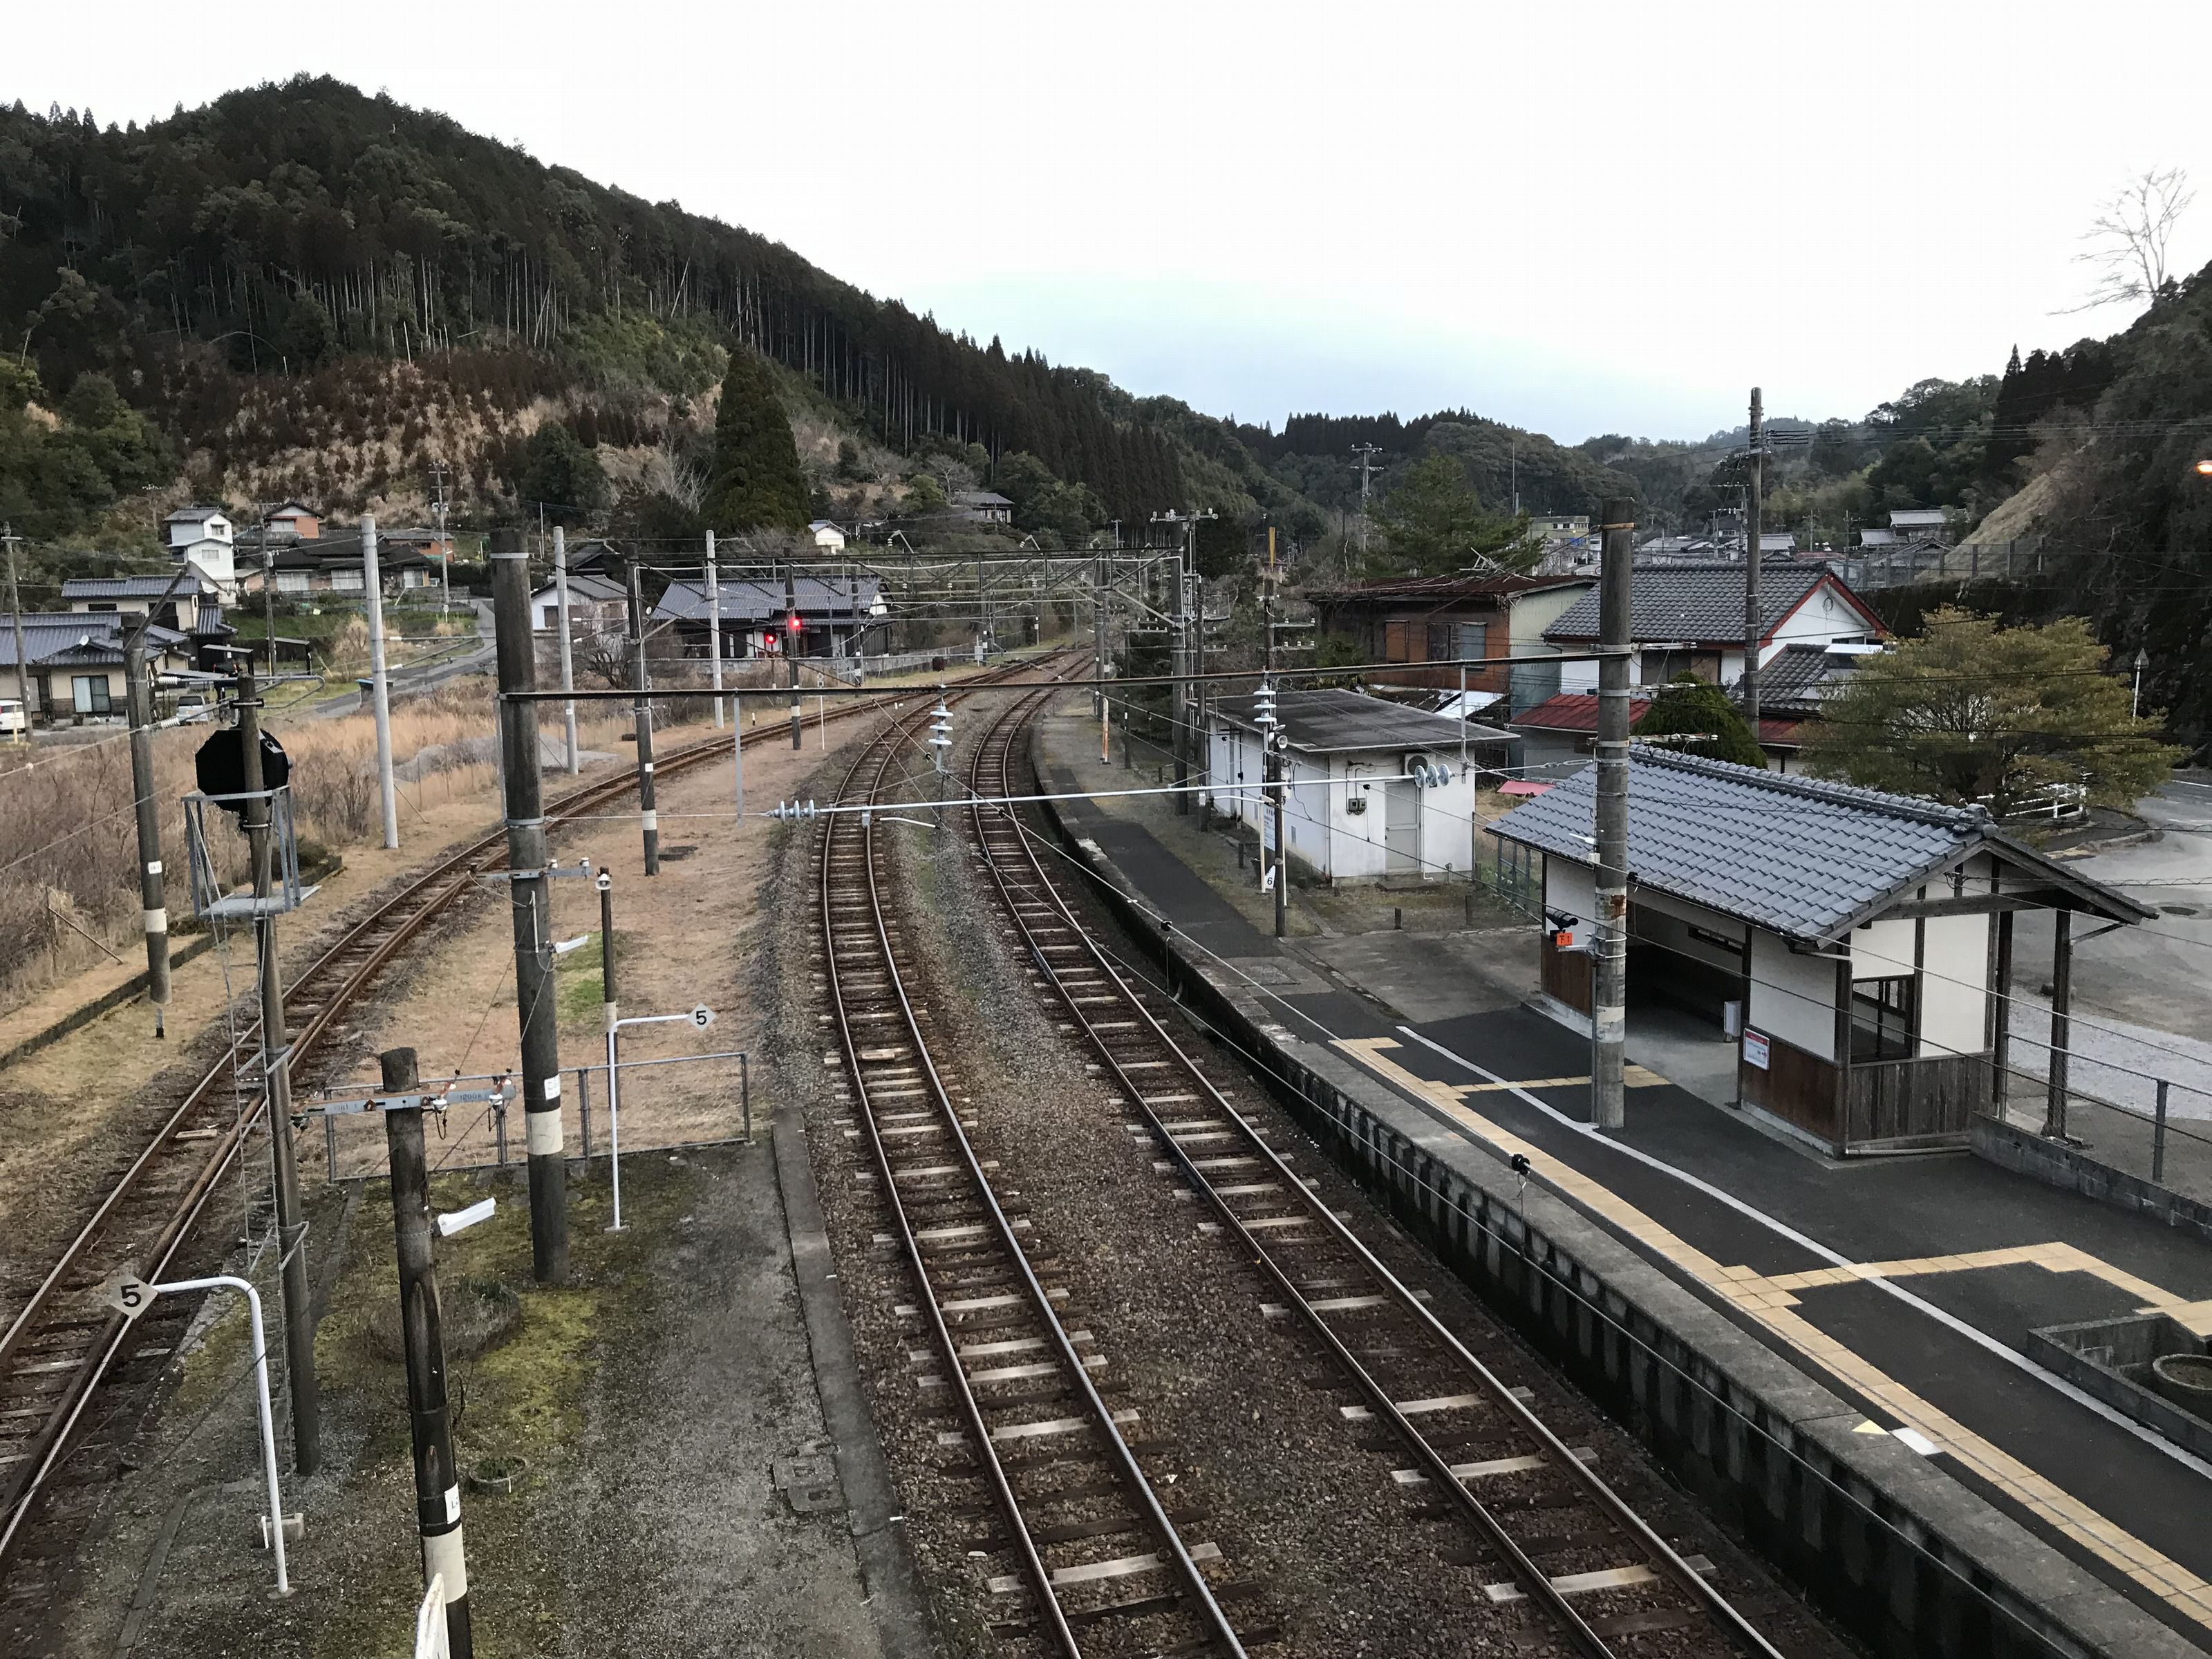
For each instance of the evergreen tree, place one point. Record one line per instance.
(562, 476)
(1973, 712)
(756, 482)
(1433, 523)
(1691, 706)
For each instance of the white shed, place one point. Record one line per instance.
(827, 536)
(1376, 788)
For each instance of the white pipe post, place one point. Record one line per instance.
(738, 752)
(380, 689)
(714, 628)
(227, 1282)
(568, 660)
(614, 1120)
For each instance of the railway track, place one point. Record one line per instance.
(1557, 1535)
(71, 1371)
(1091, 1560)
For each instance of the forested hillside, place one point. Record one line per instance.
(278, 230)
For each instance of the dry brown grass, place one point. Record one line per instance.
(69, 881)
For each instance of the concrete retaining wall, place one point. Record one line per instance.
(2012, 1148)
(1888, 1546)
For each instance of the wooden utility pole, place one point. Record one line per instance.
(1609, 982)
(1754, 621)
(530, 906)
(256, 819)
(648, 816)
(437, 1478)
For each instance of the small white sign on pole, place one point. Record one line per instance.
(1754, 1049)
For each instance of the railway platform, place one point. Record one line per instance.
(1907, 1285)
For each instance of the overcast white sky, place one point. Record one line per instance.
(1582, 218)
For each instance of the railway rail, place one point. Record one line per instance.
(1560, 1538)
(61, 1352)
(1094, 1558)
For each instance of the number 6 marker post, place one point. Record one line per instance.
(131, 1295)
(700, 1018)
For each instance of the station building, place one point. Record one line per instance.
(1856, 946)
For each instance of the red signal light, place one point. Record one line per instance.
(791, 621)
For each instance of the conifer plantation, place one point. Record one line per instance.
(757, 484)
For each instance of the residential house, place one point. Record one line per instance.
(827, 536)
(192, 607)
(1919, 524)
(839, 618)
(1688, 619)
(332, 565)
(1561, 732)
(1375, 789)
(983, 506)
(1434, 619)
(596, 604)
(204, 536)
(292, 521)
(1856, 946)
(1675, 549)
(76, 662)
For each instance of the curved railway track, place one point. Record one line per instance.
(1095, 1559)
(1558, 1535)
(61, 1349)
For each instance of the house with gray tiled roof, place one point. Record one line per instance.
(72, 666)
(1688, 619)
(1857, 945)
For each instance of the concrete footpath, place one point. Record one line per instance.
(1908, 1285)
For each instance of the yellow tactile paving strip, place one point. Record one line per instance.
(1768, 1302)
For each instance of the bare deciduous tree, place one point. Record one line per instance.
(2127, 239)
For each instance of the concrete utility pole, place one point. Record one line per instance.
(379, 685)
(714, 628)
(437, 1478)
(529, 904)
(791, 654)
(138, 690)
(1609, 984)
(1098, 633)
(568, 647)
(15, 616)
(648, 817)
(444, 546)
(1754, 622)
(277, 1080)
(268, 595)
(2061, 1024)
(1367, 453)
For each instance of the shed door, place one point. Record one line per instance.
(1401, 828)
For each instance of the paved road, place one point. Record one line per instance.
(410, 682)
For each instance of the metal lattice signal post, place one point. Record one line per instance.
(257, 815)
